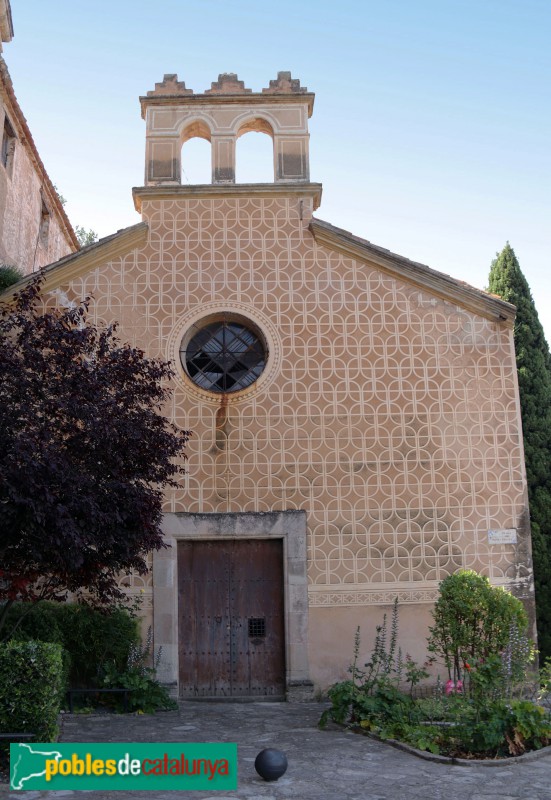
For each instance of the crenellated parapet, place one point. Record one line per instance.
(285, 84)
(228, 83)
(170, 85)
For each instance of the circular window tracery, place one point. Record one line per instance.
(223, 356)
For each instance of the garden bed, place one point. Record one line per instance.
(481, 712)
(532, 755)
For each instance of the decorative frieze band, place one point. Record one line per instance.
(368, 598)
(320, 596)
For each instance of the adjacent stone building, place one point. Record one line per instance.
(34, 229)
(355, 415)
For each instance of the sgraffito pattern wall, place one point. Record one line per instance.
(387, 414)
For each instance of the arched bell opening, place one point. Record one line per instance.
(196, 156)
(255, 152)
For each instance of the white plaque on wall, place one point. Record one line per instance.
(503, 536)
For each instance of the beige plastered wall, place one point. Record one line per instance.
(22, 188)
(338, 648)
(388, 415)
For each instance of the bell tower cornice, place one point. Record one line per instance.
(256, 99)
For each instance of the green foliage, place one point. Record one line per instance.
(486, 682)
(31, 688)
(86, 454)
(147, 693)
(545, 679)
(486, 731)
(534, 378)
(496, 729)
(529, 727)
(90, 637)
(26, 622)
(422, 737)
(60, 197)
(85, 237)
(472, 619)
(414, 673)
(481, 719)
(9, 275)
(373, 697)
(94, 637)
(517, 656)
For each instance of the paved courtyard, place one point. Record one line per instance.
(323, 765)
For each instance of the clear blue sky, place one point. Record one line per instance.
(431, 130)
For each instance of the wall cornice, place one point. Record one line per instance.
(225, 191)
(429, 280)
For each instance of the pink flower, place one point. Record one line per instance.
(459, 687)
(450, 687)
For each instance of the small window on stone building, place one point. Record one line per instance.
(8, 145)
(44, 228)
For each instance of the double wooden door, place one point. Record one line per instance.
(231, 623)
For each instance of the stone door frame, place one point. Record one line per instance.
(290, 526)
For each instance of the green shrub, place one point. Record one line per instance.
(9, 275)
(472, 619)
(90, 637)
(95, 638)
(147, 695)
(529, 727)
(31, 688)
(38, 623)
(496, 730)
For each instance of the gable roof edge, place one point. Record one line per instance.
(84, 261)
(438, 283)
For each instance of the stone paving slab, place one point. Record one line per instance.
(323, 765)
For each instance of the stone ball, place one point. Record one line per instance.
(270, 764)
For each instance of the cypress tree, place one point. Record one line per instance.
(534, 378)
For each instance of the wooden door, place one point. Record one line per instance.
(231, 625)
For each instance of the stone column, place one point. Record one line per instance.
(223, 159)
(163, 161)
(291, 157)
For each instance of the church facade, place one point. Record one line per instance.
(355, 415)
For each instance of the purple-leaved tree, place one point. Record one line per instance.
(85, 453)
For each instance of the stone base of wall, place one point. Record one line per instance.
(172, 688)
(300, 692)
